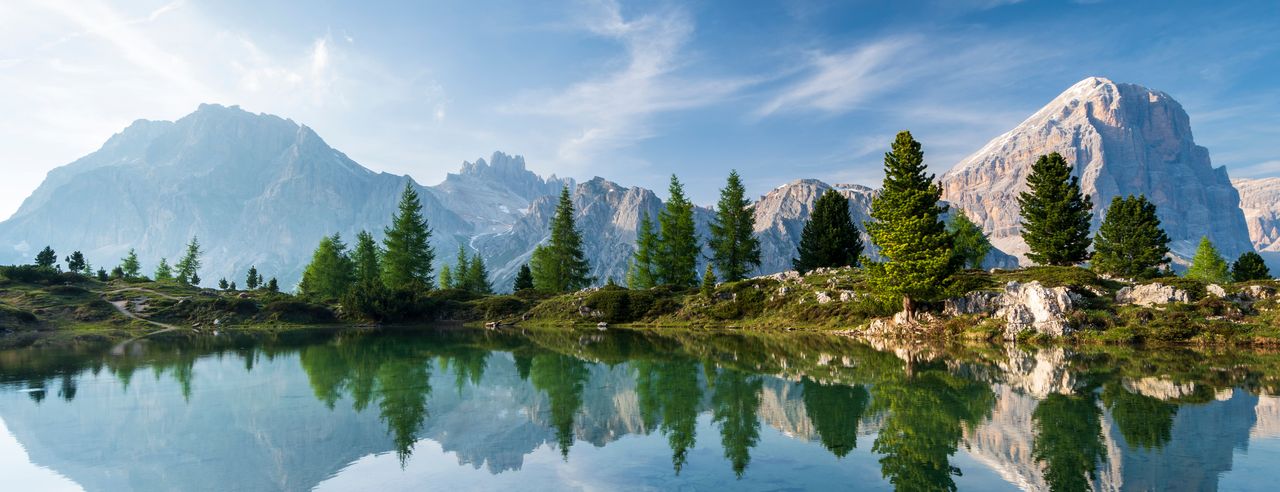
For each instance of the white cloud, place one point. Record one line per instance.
(840, 82)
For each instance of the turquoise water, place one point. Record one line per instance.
(619, 410)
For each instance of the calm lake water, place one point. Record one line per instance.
(620, 410)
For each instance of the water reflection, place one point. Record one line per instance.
(289, 412)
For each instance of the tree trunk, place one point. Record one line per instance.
(908, 308)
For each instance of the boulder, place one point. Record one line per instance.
(1034, 307)
(1152, 294)
(977, 302)
(823, 297)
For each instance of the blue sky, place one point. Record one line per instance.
(631, 91)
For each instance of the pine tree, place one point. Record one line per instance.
(251, 279)
(195, 279)
(907, 228)
(330, 273)
(971, 244)
(524, 279)
(233, 286)
(75, 262)
(1250, 266)
(407, 253)
(461, 267)
(273, 285)
(102, 275)
(478, 276)
(829, 238)
(1130, 242)
(677, 263)
(708, 282)
(1208, 265)
(46, 258)
(190, 262)
(365, 259)
(641, 269)
(117, 272)
(163, 271)
(130, 266)
(736, 250)
(560, 265)
(88, 267)
(1055, 214)
(222, 283)
(446, 277)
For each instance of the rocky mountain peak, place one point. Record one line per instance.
(1120, 139)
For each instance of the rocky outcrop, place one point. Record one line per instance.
(1151, 294)
(1260, 202)
(1121, 139)
(1031, 307)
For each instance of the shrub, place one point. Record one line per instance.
(298, 312)
(11, 317)
(30, 274)
(497, 307)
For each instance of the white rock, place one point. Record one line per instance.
(1034, 307)
(1216, 290)
(1151, 294)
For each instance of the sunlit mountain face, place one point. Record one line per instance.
(340, 410)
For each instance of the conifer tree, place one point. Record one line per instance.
(222, 283)
(251, 279)
(195, 279)
(560, 265)
(1055, 214)
(75, 262)
(1208, 265)
(117, 272)
(46, 258)
(641, 269)
(88, 267)
(164, 271)
(829, 238)
(130, 267)
(1250, 266)
(461, 267)
(1130, 242)
(232, 287)
(102, 275)
(677, 263)
(971, 244)
(190, 262)
(736, 250)
(906, 226)
(407, 253)
(330, 273)
(524, 279)
(273, 285)
(446, 277)
(708, 282)
(478, 276)
(365, 259)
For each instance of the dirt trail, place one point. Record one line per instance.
(123, 308)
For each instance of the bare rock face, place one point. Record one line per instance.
(1121, 139)
(1151, 295)
(976, 302)
(1260, 201)
(1034, 307)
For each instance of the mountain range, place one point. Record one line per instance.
(261, 190)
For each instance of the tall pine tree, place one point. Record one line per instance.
(524, 279)
(130, 267)
(330, 273)
(1055, 214)
(407, 253)
(1250, 266)
(365, 259)
(251, 278)
(677, 263)
(829, 238)
(477, 277)
(446, 277)
(736, 250)
(1208, 265)
(641, 272)
(1130, 242)
(461, 266)
(560, 265)
(908, 229)
(186, 268)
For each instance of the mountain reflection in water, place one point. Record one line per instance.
(554, 409)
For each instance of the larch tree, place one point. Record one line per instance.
(1055, 214)
(735, 248)
(1130, 242)
(560, 265)
(446, 277)
(187, 267)
(907, 227)
(641, 272)
(330, 273)
(829, 238)
(163, 270)
(130, 267)
(461, 266)
(366, 259)
(1208, 265)
(477, 277)
(407, 253)
(677, 263)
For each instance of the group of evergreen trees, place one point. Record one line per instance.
(185, 272)
(468, 273)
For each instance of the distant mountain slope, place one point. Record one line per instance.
(1260, 201)
(1121, 139)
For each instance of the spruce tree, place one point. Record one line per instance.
(102, 275)
(251, 278)
(75, 262)
(560, 265)
(461, 266)
(163, 270)
(1130, 242)
(222, 283)
(1208, 265)
(195, 279)
(130, 267)
(736, 250)
(677, 263)
(88, 267)
(365, 259)
(907, 228)
(708, 282)
(190, 262)
(829, 238)
(232, 287)
(330, 273)
(445, 277)
(46, 258)
(524, 279)
(971, 244)
(1250, 266)
(407, 253)
(641, 269)
(1055, 214)
(478, 276)
(273, 285)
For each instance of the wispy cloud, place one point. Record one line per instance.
(841, 81)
